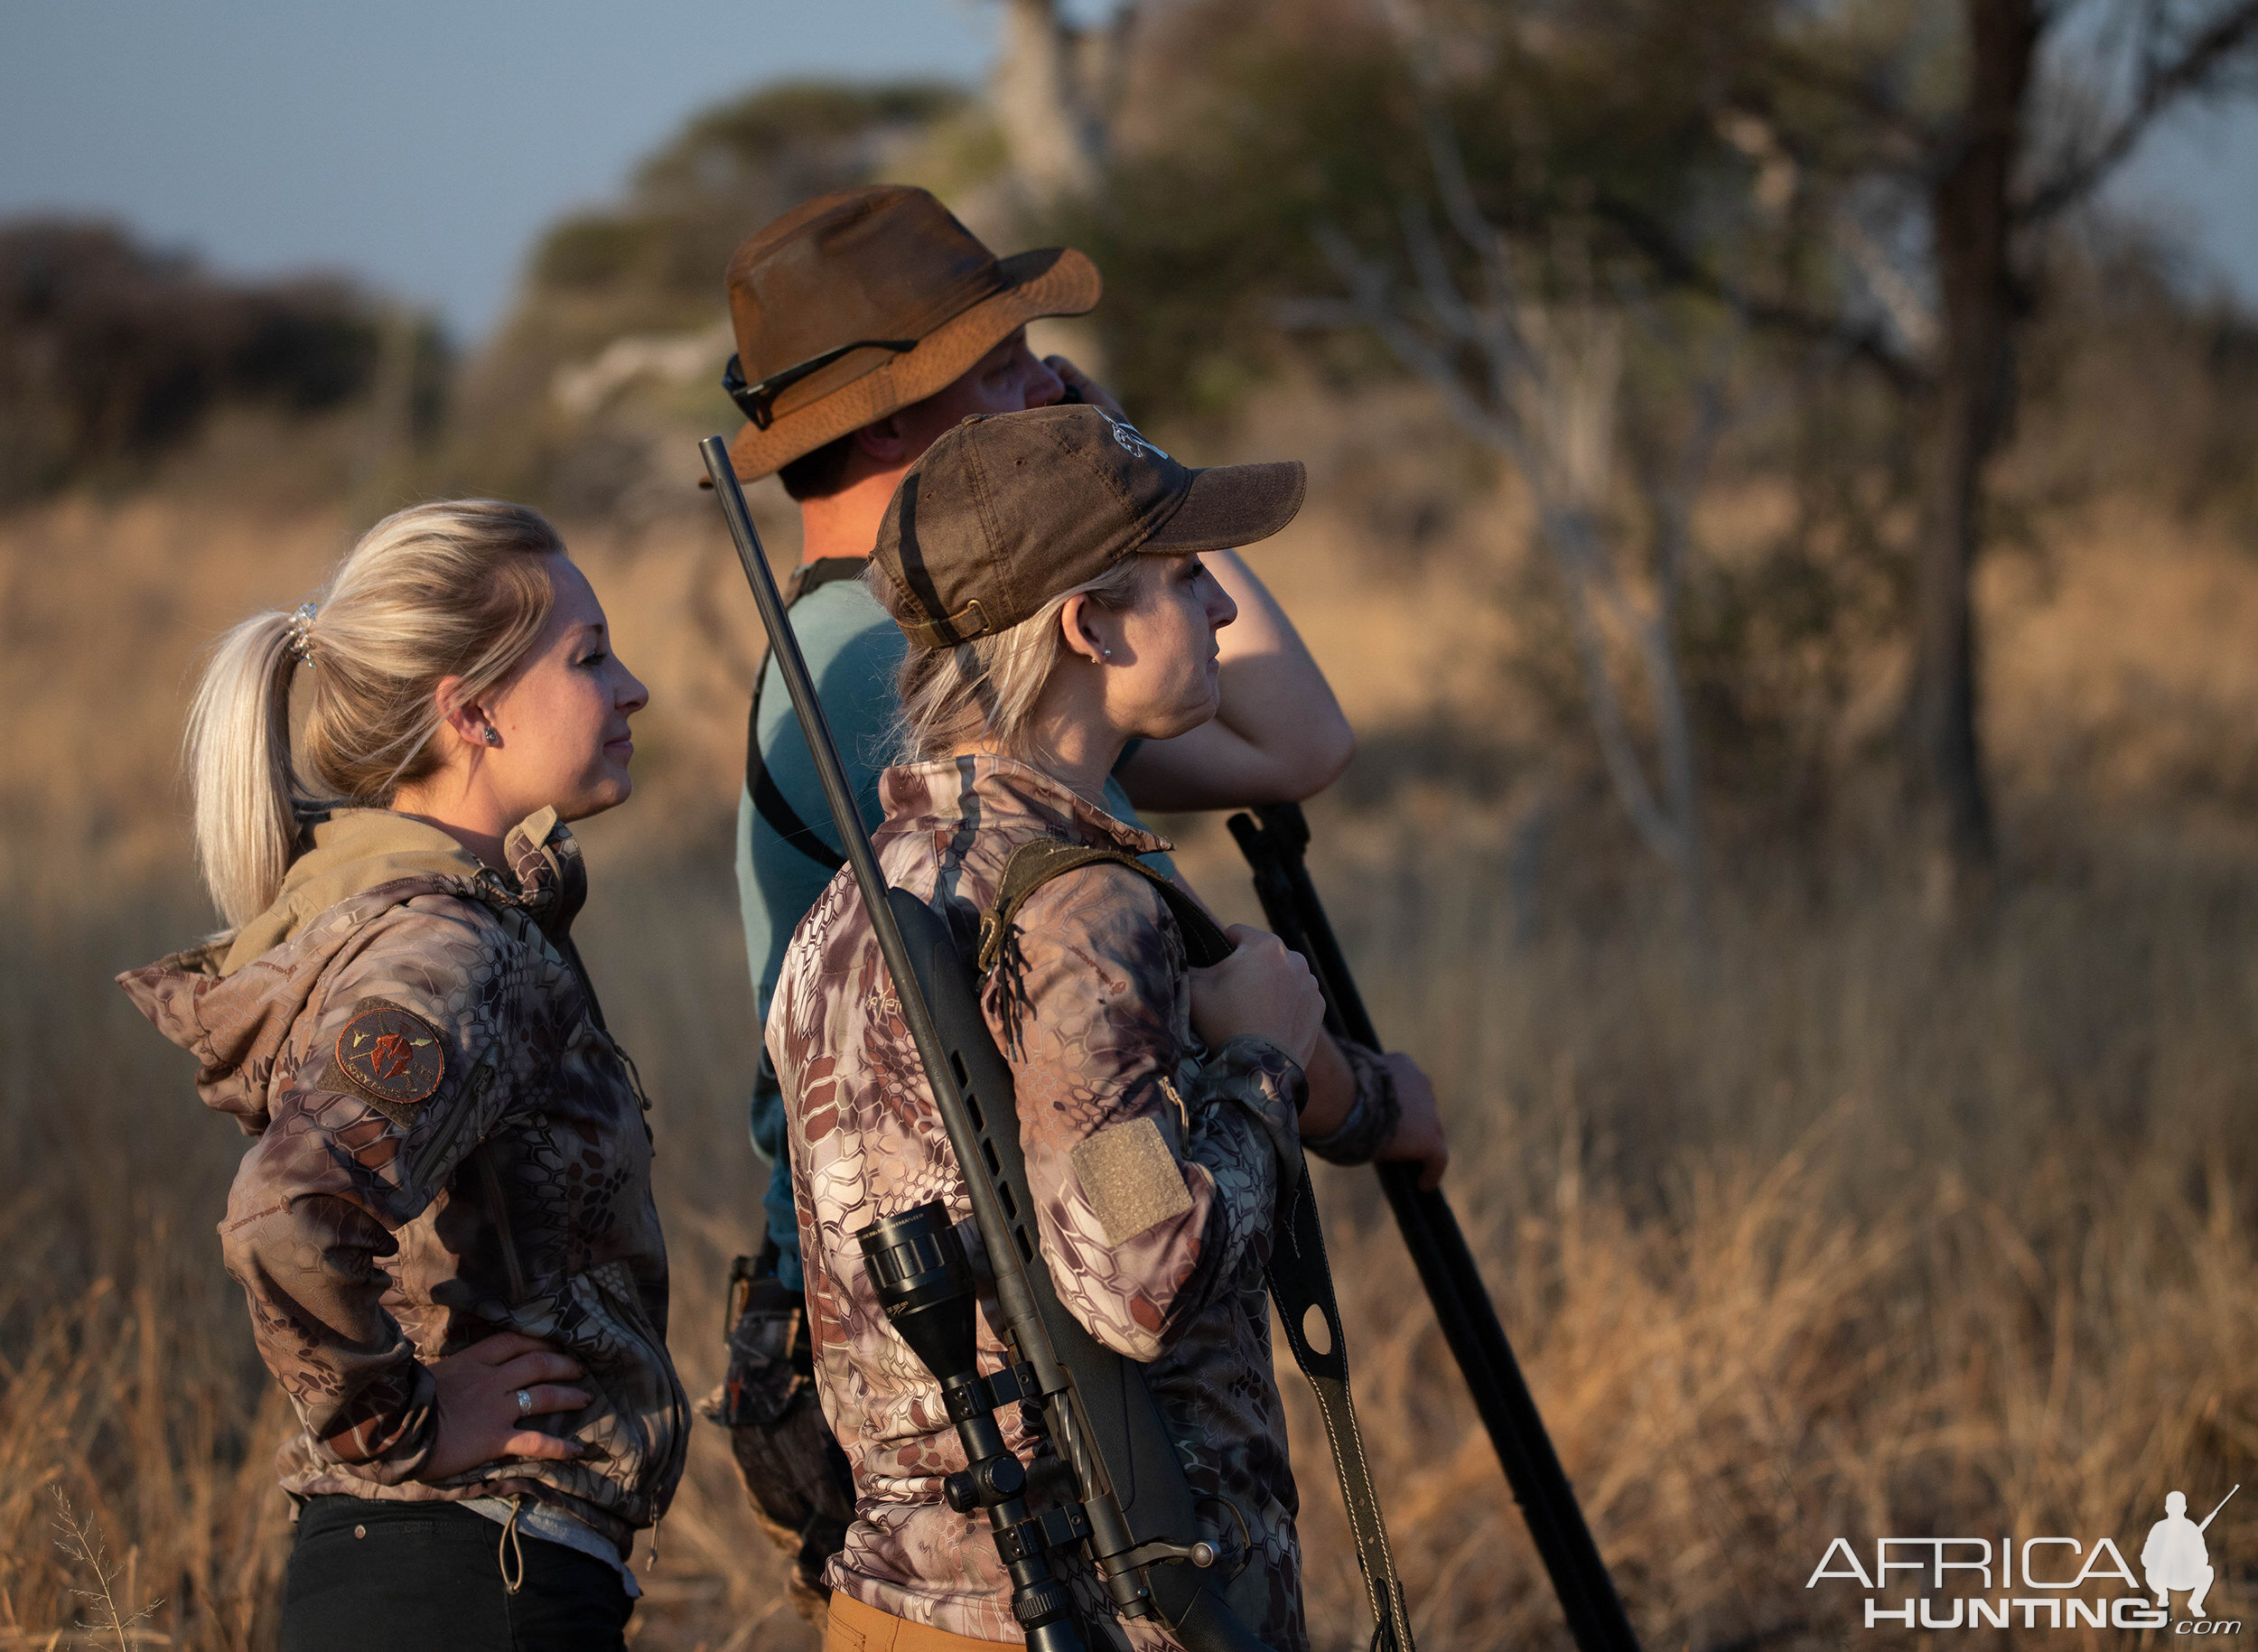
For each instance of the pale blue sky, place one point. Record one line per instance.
(421, 144)
(2197, 178)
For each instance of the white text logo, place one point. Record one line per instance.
(1975, 1582)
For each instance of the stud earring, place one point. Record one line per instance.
(493, 735)
(1109, 653)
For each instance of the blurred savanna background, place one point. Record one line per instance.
(1785, 530)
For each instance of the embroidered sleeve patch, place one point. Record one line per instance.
(390, 1055)
(1130, 1178)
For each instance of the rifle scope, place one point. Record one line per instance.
(923, 1280)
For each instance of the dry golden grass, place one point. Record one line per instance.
(1835, 1224)
(1827, 1230)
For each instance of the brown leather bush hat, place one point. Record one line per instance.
(1007, 511)
(854, 305)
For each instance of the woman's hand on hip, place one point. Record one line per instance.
(1263, 989)
(480, 1415)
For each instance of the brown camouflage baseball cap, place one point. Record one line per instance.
(855, 305)
(1007, 511)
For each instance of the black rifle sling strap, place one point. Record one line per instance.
(767, 798)
(1300, 1277)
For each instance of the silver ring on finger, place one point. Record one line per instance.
(525, 1402)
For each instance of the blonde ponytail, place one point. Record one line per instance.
(238, 765)
(452, 589)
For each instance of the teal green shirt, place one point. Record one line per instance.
(854, 648)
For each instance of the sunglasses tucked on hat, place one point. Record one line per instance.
(1008, 510)
(852, 305)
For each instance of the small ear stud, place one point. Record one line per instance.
(1109, 653)
(493, 735)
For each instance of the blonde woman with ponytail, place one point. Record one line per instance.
(443, 1223)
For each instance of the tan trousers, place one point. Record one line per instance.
(853, 1627)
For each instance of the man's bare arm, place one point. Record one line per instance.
(1280, 736)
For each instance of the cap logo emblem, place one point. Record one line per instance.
(1131, 439)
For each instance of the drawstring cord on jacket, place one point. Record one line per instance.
(508, 1549)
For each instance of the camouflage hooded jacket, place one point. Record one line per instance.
(446, 1144)
(1153, 1163)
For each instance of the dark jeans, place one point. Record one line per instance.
(404, 1577)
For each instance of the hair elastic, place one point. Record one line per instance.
(302, 634)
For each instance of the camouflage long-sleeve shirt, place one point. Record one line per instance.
(1150, 1160)
(447, 1144)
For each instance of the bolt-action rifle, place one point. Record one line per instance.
(1135, 1519)
(1275, 839)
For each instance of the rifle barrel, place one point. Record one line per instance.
(1273, 848)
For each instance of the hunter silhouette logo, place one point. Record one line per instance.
(2175, 1556)
(391, 1055)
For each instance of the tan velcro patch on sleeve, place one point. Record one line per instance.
(1130, 1178)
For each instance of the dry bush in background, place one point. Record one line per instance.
(1837, 1223)
(1828, 1219)
(113, 353)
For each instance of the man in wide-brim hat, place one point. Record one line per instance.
(868, 322)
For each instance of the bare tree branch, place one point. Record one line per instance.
(1864, 94)
(2192, 72)
(1912, 315)
(1666, 838)
(1058, 87)
(1550, 379)
(1681, 268)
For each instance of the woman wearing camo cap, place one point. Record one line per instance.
(1044, 567)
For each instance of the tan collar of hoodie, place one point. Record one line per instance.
(354, 849)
